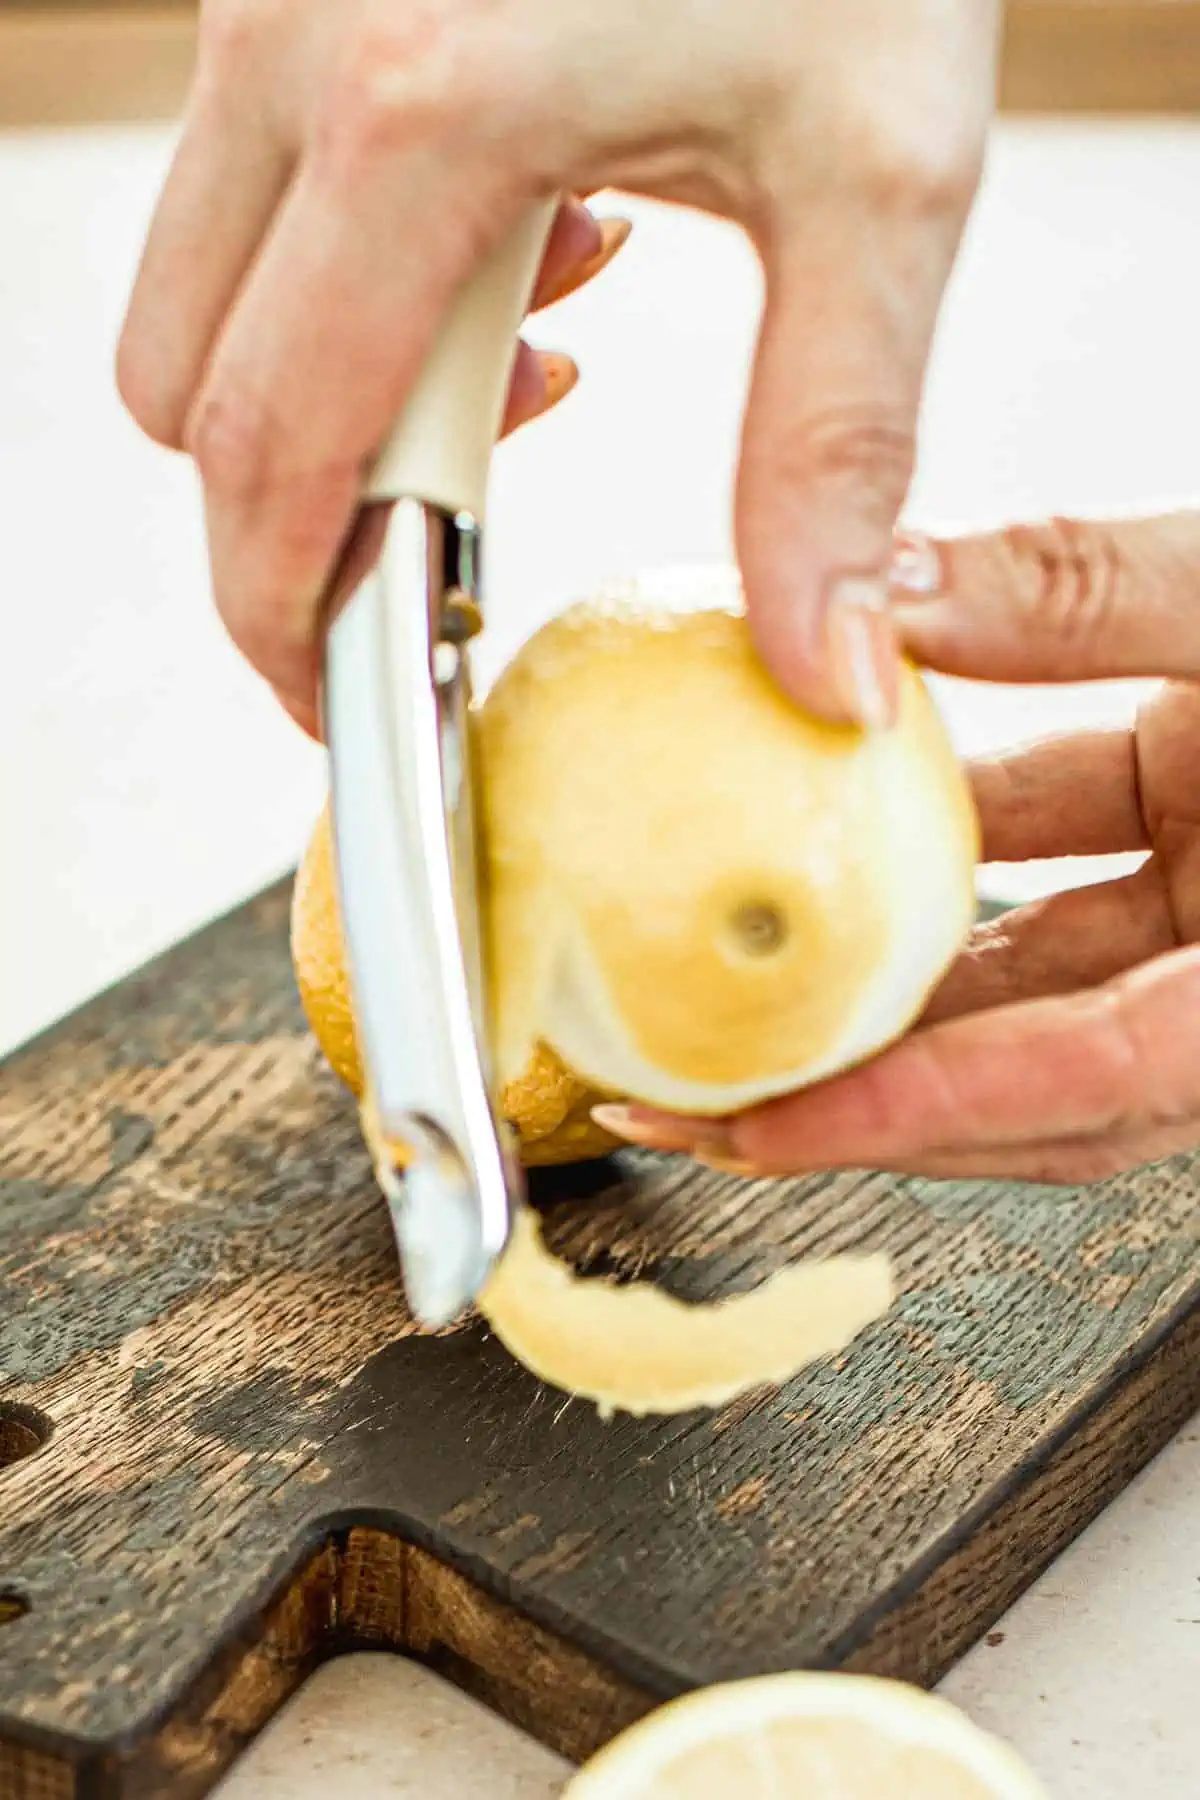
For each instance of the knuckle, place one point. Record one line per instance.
(915, 178)
(399, 84)
(232, 33)
(920, 165)
(859, 446)
(1069, 574)
(245, 457)
(230, 438)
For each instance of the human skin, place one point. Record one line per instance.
(346, 164)
(1064, 1045)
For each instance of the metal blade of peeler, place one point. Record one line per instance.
(398, 724)
(397, 719)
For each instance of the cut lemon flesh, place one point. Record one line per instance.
(806, 1737)
(634, 1348)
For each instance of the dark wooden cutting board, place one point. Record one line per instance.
(224, 1455)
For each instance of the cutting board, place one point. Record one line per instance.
(226, 1455)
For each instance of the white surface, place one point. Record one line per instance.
(1094, 1673)
(146, 780)
(380, 1728)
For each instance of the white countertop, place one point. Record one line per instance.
(146, 781)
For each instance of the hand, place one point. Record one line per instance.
(578, 249)
(1064, 1046)
(345, 164)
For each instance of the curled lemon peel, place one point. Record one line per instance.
(634, 1348)
(631, 1347)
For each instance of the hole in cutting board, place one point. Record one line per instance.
(13, 1606)
(23, 1432)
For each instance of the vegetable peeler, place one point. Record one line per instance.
(397, 720)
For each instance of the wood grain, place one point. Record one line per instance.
(246, 1460)
(94, 64)
(1101, 56)
(88, 61)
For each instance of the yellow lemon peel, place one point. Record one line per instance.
(634, 1348)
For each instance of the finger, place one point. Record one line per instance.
(559, 285)
(1076, 795)
(225, 183)
(1118, 1059)
(311, 371)
(575, 240)
(1059, 945)
(828, 446)
(1057, 1162)
(541, 378)
(1067, 600)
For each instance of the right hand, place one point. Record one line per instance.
(346, 164)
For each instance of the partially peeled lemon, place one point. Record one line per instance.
(699, 897)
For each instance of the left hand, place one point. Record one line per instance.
(1064, 1045)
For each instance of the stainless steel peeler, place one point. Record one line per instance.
(398, 725)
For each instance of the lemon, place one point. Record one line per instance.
(806, 1737)
(547, 1105)
(700, 895)
(697, 896)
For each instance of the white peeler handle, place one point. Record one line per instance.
(441, 449)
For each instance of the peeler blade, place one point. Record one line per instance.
(398, 723)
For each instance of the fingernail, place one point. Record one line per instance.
(613, 233)
(561, 374)
(706, 1139)
(916, 566)
(863, 651)
(623, 1122)
(541, 382)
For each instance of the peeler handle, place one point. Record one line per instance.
(441, 449)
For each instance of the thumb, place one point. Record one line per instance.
(828, 449)
(1066, 600)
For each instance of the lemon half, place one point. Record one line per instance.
(806, 1737)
